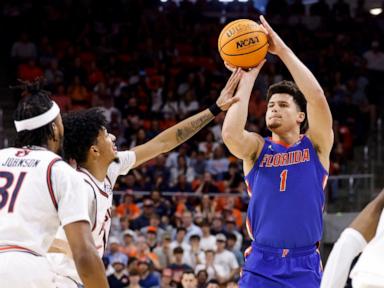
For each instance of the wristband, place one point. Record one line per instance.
(215, 109)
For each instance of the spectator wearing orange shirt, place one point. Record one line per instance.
(128, 207)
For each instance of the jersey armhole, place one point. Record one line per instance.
(49, 182)
(257, 162)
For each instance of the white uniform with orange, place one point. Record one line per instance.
(38, 192)
(100, 196)
(369, 269)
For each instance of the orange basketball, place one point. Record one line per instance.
(242, 43)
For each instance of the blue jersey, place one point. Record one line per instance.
(286, 185)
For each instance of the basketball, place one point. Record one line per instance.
(242, 43)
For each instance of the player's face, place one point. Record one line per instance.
(106, 146)
(282, 113)
(58, 134)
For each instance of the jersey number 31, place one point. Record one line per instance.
(4, 186)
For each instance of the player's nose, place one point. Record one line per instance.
(113, 137)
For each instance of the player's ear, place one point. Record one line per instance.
(94, 149)
(55, 132)
(301, 117)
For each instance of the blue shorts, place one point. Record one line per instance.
(267, 267)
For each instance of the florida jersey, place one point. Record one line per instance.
(286, 186)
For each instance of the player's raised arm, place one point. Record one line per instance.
(181, 132)
(319, 115)
(243, 144)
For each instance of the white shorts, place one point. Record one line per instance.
(24, 270)
(65, 270)
(369, 270)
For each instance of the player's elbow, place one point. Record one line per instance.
(228, 136)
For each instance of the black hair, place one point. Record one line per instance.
(186, 272)
(81, 131)
(35, 102)
(289, 87)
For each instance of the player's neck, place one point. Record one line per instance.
(288, 138)
(98, 171)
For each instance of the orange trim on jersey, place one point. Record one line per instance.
(282, 143)
(15, 248)
(249, 230)
(247, 251)
(49, 181)
(249, 191)
(325, 179)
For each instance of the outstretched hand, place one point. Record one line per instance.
(226, 98)
(276, 44)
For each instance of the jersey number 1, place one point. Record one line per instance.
(283, 180)
(4, 193)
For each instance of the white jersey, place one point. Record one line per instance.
(38, 192)
(369, 269)
(100, 196)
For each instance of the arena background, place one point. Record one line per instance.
(151, 63)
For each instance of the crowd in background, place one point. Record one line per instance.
(152, 64)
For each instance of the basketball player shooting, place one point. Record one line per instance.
(285, 173)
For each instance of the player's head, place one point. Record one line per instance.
(87, 139)
(286, 108)
(37, 119)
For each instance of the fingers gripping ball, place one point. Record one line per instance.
(242, 43)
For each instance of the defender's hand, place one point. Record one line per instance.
(226, 98)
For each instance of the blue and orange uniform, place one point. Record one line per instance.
(284, 218)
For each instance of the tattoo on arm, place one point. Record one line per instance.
(192, 127)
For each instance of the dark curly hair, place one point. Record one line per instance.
(289, 87)
(35, 102)
(81, 131)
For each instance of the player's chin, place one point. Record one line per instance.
(273, 125)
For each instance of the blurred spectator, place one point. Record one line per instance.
(180, 240)
(195, 255)
(208, 241)
(129, 245)
(166, 279)
(188, 279)
(208, 265)
(134, 279)
(205, 185)
(163, 251)
(202, 278)
(231, 229)
(161, 205)
(143, 219)
(218, 165)
(182, 169)
(23, 49)
(148, 279)
(118, 279)
(191, 228)
(209, 145)
(225, 261)
(128, 206)
(178, 266)
(231, 246)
